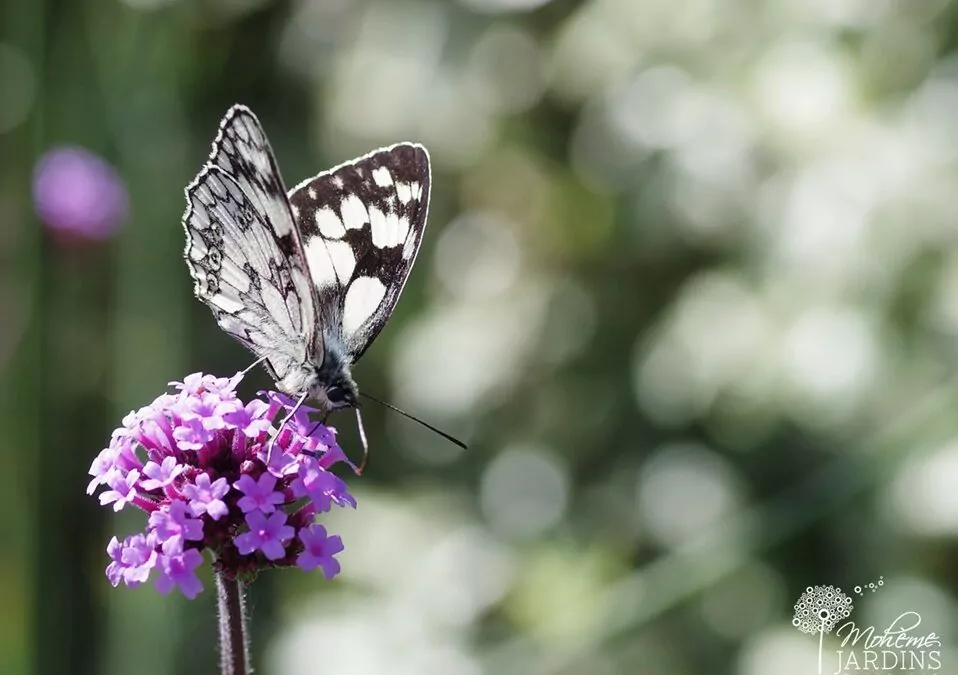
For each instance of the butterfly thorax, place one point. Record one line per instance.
(329, 383)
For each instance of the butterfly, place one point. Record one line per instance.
(305, 279)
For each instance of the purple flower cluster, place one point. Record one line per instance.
(211, 475)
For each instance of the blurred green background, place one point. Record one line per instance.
(689, 290)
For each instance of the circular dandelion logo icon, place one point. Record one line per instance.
(819, 610)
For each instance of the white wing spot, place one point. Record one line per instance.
(416, 190)
(362, 299)
(320, 266)
(382, 177)
(344, 260)
(329, 224)
(404, 192)
(409, 248)
(392, 229)
(295, 211)
(388, 229)
(330, 262)
(226, 303)
(312, 193)
(354, 212)
(378, 225)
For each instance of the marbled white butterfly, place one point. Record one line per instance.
(306, 280)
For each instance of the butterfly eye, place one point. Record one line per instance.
(336, 395)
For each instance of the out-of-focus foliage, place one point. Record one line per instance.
(689, 290)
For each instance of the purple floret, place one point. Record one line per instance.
(319, 549)
(268, 534)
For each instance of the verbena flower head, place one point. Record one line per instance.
(209, 474)
(78, 194)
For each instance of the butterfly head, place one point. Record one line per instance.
(331, 383)
(340, 393)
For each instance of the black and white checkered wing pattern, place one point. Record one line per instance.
(242, 150)
(244, 252)
(361, 224)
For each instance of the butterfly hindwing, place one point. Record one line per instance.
(361, 224)
(244, 252)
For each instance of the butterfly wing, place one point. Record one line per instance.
(361, 224)
(244, 252)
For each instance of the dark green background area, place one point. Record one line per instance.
(689, 290)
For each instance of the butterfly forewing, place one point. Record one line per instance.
(361, 224)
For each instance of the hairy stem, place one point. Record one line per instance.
(234, 656)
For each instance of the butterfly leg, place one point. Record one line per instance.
(362, 437)
(320, 423)
(312, 431)
(288, 417)
(253, 365)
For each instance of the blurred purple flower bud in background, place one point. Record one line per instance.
(77, 193)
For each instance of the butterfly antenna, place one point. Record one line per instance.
(292, 412)
(362, 437)
(431, 428)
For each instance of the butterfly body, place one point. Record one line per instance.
(305, 280)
